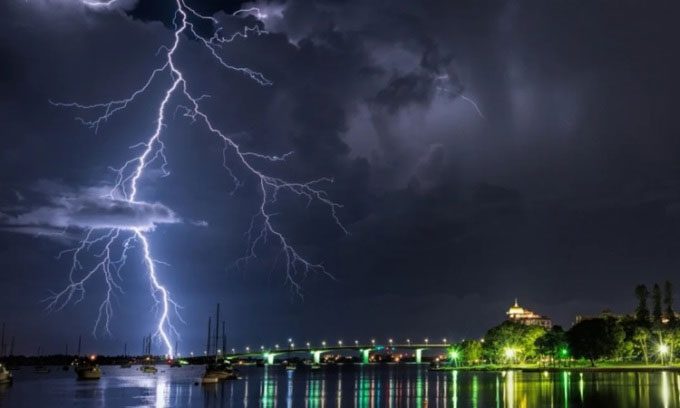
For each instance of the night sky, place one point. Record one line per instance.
(561, 188)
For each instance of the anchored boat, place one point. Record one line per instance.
(5, 375)
(88, 371)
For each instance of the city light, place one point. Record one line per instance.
(509, 353)
(663, 350)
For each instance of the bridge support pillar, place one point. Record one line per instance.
(316, 356)
(269, 358)
(419, 355)
(365, 355)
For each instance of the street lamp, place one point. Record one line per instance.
(323, 343)
(427, 340)
(455, 354)
(509, 353)
(356, 342)
(248, 349)
(408, 341)
(373, 342)
(308, 345)
(339, 342)
(444, 340)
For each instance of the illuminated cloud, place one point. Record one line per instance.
(85, 209)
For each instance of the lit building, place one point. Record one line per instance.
(518, 314)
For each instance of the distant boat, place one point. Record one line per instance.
(221, 371)
(5, 375)
(148, 369)
(88, 371)
(209, 378)
(126, 363)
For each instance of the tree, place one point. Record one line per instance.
(595, 339)
(472, 351)
(657, 313)
(553, 344)
(668, 302)
(641, 339)
(642, 312)
(517, 337)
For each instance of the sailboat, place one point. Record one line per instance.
(5, 375)
(126, 363)
(148, 367)
(175, 362)
(217, 370)
(65, 367)
(86, 369)
(41, 368)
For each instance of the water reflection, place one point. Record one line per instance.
(366, 386)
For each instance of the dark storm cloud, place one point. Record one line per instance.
(570, 176)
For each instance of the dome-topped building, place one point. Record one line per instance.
(518, 314)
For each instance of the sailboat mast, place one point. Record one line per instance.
(207, 347)
(80, 339)
(217, 329)
(224, 338)
(2, 342)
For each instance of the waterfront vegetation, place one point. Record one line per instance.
(642, 340)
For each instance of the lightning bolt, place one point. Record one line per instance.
(110, 247)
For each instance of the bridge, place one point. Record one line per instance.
(269, 354)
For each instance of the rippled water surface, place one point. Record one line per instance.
(344, 386)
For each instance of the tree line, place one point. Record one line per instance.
(643, 336)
